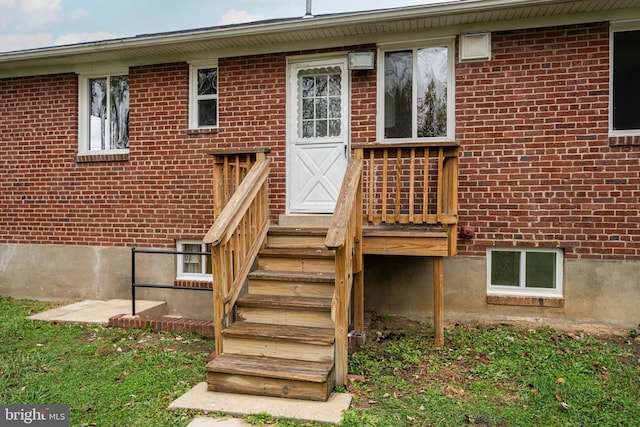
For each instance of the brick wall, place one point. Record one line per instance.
(536, 165)
(161, 190)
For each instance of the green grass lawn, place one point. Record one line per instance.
(495, 375)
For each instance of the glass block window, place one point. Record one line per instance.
(529, 271)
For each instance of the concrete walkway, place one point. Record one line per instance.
(238, 405)
(98, 311)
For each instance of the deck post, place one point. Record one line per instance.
(438, 301)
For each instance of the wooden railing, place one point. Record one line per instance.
(345, 237)
(230, 167)
(239, 230)
(410, 183)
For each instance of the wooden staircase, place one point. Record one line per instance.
(280, 341)
(284, 298)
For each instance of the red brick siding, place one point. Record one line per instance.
(536, 165)
(162, 190)
(252, 93)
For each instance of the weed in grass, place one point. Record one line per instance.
(261, 419)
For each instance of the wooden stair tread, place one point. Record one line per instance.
(293, 230)
(290, 302)
(321, 336)
(292, 276)
(271, 367)
(297, 252)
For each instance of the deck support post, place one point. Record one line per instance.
(438, 301)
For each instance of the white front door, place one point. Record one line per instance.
(317, 134)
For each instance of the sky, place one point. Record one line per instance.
(27, 24)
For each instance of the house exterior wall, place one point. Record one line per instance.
(537, 168)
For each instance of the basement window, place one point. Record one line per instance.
(524, 271)
(194, 261)
(203, 95)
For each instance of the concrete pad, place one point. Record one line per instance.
(241, 404)
(99, 312)
(217, 422)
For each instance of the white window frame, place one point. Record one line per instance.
(181, 274)
(84, 109)
(448, 42)
(633, 25)
(521, 289)
(193, 93)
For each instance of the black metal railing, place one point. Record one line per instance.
(135, 285)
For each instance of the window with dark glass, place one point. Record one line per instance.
(626, 85)
(523, 269)
(207, 97)
(416, 92)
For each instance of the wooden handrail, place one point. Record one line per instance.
(345, 206)
(345, 237)
(236, 236)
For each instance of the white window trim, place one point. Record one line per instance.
(615, 27)
(83, 109)
(521, 290)
(194, 66)
(449, 42)
(181, 275)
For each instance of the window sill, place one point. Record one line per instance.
(102, 157)
(624, 141)
(202, 131)
(199, 284)
(526, 301)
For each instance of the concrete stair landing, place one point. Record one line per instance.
(99, 311)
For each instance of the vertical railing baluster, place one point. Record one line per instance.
(425, 191)
(412, 177)
(398, 195)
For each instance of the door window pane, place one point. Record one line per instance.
(320, 105)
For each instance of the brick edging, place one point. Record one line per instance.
(202, 327)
